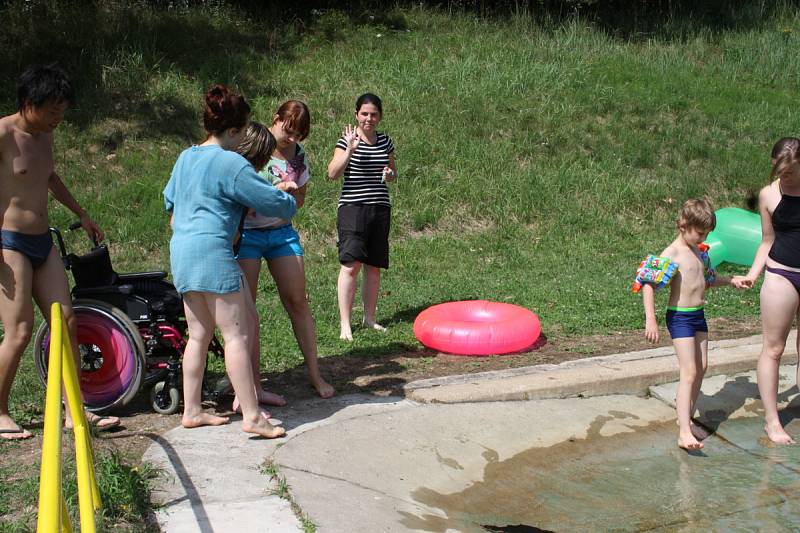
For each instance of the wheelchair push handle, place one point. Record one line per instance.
(60, 241)
(77, 225)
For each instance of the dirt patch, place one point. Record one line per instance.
(384, 375)
(381, 375)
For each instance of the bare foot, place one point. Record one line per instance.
(10, 430)
(689, 442)
(323, 388)
(373, 325)
(699, 432)
(346, 333)
(202, 419)
(263, 428)
(264, 398)
(270, 398)
(236, 408)
(777, 434)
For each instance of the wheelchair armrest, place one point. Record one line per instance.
(97, 292)
(141, 276)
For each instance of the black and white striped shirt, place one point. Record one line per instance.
(363, 174)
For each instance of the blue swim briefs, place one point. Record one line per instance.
(270, 243)
(35, 247)
(684, 322)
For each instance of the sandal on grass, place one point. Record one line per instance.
(22, 432)
(100, 423)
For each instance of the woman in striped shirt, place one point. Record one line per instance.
(365, 157)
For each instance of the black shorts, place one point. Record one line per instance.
(364, 234)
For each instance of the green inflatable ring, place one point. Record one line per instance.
(736, 237)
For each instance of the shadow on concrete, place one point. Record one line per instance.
(732, 396)
(196, 502)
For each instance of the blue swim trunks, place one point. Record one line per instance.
(270, 243)
(35, 247)
(684, 322)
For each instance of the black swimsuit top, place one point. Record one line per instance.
(786, 223)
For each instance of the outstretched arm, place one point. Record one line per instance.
(62, 194)
(762, 252)
(249, 189)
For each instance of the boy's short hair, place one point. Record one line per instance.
(697, 213)
(40, 84)
(257, 145)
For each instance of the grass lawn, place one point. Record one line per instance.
(538, 162)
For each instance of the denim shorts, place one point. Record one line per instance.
(686, 322)
(269, 243)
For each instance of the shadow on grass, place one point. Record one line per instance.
(142, 63)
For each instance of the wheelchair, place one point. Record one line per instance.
(131, 333)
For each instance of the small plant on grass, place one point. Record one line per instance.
(269, 468)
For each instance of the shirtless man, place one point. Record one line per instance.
(29, 263)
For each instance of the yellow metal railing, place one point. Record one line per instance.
(53, 516)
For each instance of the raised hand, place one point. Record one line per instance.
(351, 137)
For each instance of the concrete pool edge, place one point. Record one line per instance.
(625, 373)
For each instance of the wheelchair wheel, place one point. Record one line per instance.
(111, 355)
(165, 399)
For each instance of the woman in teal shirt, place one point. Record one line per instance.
(206, 195)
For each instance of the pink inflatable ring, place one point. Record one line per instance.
(477, 327)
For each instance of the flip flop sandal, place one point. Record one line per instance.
(20, 431)
(95, 423)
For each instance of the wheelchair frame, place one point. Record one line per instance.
(139, 314)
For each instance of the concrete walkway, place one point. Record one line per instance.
(452, 458)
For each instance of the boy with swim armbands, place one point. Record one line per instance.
(684, 267)
(657, 271)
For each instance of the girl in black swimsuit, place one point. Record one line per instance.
(779, 252)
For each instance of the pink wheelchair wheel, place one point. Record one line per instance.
(111, 355)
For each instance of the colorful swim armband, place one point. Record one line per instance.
(657, 271)
(709, 274)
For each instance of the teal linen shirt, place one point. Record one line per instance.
(206, 195)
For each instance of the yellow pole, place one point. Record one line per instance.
(50, 496)
(88, 493)
(66, 525)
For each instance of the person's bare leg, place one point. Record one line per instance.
(16, 313)
(779, 303)
(369, 295)
(689, 365)
(200, 322)
(251, 268)
(50, 285)
(290, 279)
(701, 347)
(797, 347)
(232, 318)
(346, 291)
